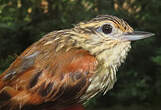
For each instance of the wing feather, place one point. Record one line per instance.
(47, 77)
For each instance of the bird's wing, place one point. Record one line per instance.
(41, 75)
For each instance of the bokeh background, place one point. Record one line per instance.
(23, 22)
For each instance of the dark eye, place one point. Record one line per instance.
(107, 28)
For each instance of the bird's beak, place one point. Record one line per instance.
(136, 35)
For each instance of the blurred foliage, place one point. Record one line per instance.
(22, 22)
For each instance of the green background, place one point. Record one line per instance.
(23, 22)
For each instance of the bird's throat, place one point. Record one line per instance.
(108, 62)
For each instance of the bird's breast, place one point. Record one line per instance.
(105, 75)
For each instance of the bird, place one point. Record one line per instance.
(68, 67)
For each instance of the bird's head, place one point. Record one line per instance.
(109, 31)
(111, 27)
(108, 37)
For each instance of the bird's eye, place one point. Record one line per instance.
(107, 28)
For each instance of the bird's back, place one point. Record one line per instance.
(46, 74)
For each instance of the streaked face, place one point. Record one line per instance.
(110, 27)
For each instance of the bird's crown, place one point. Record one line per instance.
(108, 19)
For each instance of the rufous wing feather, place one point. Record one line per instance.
(42, 77)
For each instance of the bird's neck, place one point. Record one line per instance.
(109, 60)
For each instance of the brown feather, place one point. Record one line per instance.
(60, 78)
